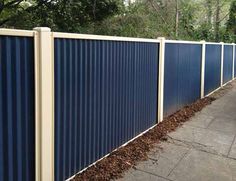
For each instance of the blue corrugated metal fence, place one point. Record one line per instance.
(182, 79)
(105, 94)
(234, 61)
(227, 63)
(17, 153)
(212, 68)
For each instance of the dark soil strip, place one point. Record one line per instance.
(113, 166)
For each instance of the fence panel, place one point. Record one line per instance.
(234, 61)
(17, 120)
(105, 94)
(182, 80)
(212, 68)
(228, 63)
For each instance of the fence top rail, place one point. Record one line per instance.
(183, 42)
(15, 32)
(228, 44)
(213, 43)
(101, 37)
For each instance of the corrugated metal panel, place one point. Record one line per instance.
(105, 94)
(182, 79)
(212, 68)
(17, 133)
(234, 61)
(228, 63)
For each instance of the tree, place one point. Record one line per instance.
(173, 19)
(186, 20)
(212, 17)
(12, 9)
(209, 12)
(217, 21)
(133, 21)
(61, 15)
(73, 15)
(231, 24)
(176, 18)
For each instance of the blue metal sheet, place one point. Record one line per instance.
(17, 133)
(105, 94)
(182, 76)
(234, 61)
(212, 68)
(228, 63)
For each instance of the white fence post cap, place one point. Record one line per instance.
(42, 29)
(161, 38)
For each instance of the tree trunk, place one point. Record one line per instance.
(209, 12)
(217, 23)
(176, 18)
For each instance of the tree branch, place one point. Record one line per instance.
(29, 9)
(12, 3)
(223, 17)
(163, 19)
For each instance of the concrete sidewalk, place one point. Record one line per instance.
(204, 148)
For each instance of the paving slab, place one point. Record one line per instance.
(204, 148)
(218, 103)
(217, 142)
(163, 161)
(232, 168)
(224, 125)
(200, 121)
(198, 165)
(188, 133)
(224, 108)
(137, 175)
(232, 152)
(228, 110)
(211, 111)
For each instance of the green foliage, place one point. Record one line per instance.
(63, 15)
(231, 24)
(186, 23)
(204, 32)
(71, 15)
(173, 19)
(132, 22)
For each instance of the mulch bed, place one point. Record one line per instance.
(114, 166)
